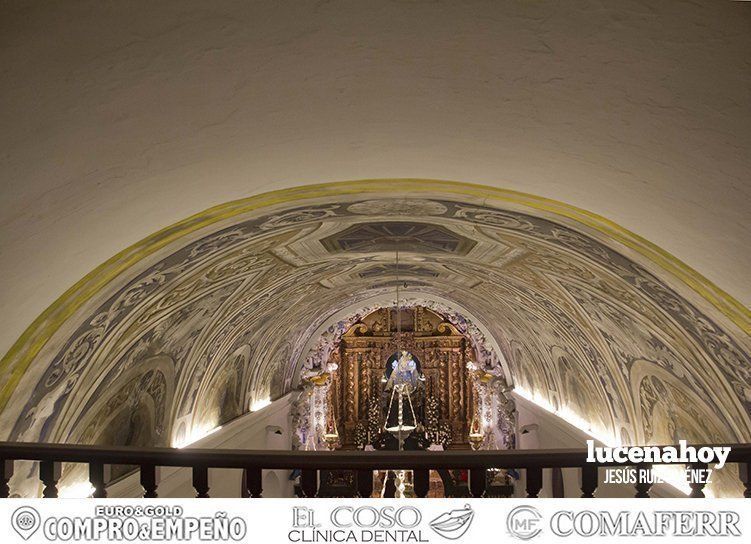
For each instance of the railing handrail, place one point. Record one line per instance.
(311, 460)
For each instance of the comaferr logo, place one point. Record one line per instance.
(526, 522)
(589, 523)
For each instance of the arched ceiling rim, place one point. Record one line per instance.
(35, 337)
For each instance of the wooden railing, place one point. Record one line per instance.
(50, 457)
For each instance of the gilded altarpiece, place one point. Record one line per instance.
(443, 353)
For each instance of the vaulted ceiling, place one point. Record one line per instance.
(585, 314)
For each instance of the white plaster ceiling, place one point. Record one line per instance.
(119, 119)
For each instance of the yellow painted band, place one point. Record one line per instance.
(28, 345)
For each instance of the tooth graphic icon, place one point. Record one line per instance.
(453, 524)
(25, 521)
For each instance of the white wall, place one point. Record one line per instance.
(121, 118)
(253, 431)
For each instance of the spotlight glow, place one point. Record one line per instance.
(77, 490)
(260, 404)
(196, 435)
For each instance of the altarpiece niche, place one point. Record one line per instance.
(404, 379)
(364, 360)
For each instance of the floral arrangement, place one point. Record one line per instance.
(437, 432)
(361, 434)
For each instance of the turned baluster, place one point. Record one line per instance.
(6, 465)
(697, 482)
(589, 477)
(365, 483)
(254, 482)
(421, 481)
(49, 473)
(643, 480)
(534, 481)
(309, 482)
(201, 481)
(149, 481)
(744, 471)
(99, 476)
(478, 480)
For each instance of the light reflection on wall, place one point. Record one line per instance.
(673, 475)
(77, 490)
(195, 435)
(260, 404)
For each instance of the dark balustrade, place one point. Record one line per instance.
(420, 481)
(478, 480)
(149, 481)
(7, 467)
(201, 481)
(99, 458)
(643, 486)
(534, 481)
(697, 485)
(744, 470)
(364, 483)
(309, 482)
(254, 482)
(99, 476)
(49, 473)
(590, 479)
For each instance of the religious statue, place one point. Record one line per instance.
(404, 373)
(403, 379)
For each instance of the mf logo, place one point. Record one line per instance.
(524, 522)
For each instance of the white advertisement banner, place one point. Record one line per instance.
(285, 521)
